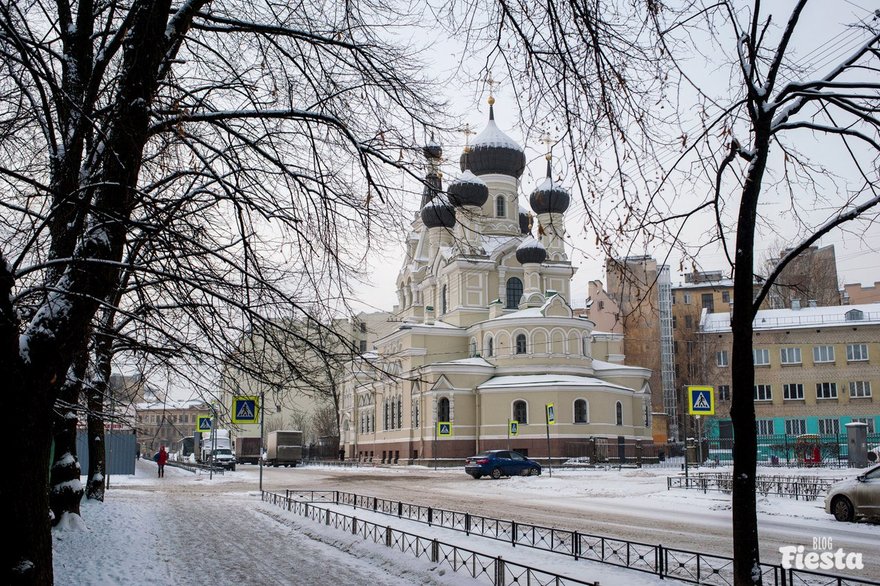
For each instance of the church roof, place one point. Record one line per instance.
(547, 380)
(475, 361)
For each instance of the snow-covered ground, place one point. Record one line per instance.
(186, 527)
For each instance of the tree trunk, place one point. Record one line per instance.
(99, 390)
(66, 490)
(746, 555)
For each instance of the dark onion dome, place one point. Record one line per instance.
(468, 190)
(433, 186)
(531, 251)
(492, 151)
(549, 197)
(438, 213)
(524, 221)
(432, 150)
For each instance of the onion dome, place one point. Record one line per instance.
(492, 151)
(438, 213)
(524, 221)
(432, 150)
(468, 190)
(548, 197)
(432, 186)
(531, 251)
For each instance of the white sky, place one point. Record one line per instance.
(186, 529)
(821, 40)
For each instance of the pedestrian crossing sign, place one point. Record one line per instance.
(203, 423)
(444, 428)
(701, 400)
(245, 409)
(551, 413)
(514, 427)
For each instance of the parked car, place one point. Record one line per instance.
(856, 497)
(498, 463)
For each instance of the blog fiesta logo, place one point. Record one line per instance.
(822, 557)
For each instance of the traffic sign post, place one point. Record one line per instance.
(550, 418)
(512, 430)
(701, 400)
(245, 410)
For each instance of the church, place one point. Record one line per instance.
(486, 334)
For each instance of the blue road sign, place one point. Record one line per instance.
(245, 409)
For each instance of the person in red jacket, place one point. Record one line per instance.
(163, 457)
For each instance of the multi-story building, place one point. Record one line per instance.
(816, 368)
(641, 290)
(166, 423)
(488, 335)
(857, 294)
(809, 279)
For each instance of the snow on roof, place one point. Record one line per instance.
(476, 361)
(528, 312)
(166, 405)
(492, 136)
(720, 283)
(548, 184)
(468, 177)
(547, 380)
(601, 365)
(493, 243)
(806, 317)
(530, 242)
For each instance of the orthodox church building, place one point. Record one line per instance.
(486, 334)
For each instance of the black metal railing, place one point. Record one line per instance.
(796, 487)
(685, 565)
(480, 566)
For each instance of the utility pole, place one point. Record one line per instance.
(262, 419)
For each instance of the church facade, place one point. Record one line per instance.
(486, 333)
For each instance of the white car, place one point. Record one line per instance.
(857, 497)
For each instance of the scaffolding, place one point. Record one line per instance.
(667, 353)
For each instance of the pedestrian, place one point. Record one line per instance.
(162, 458)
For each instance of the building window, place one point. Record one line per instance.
(521, 412)
(399, 413)
(521, 344)
(724, 392)
(761, 356)
(823, 354)
(580, 411)
(793, 392)
(472, 348)
(826, 390)
(795, 426)
(674, 322)
(687, 298)
(514, 292)
(586, 344)
(386, 421)
(763, 393)
(490, 346)
(829, 426)
(721, 358)
(707, 300)
(854, 315)
(860, 388)
(443, 409)
(688, 322)
(443, 306)
(790, 355)
(363, 328)
(765, 426)
(500, 207)
(856, 352)
(867, 420)
(725, 296)
(415, 413)
(618, 413)
(363, 346)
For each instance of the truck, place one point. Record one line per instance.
(284, 447)
(247, 450)
(217, 450)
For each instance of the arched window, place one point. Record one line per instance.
(393, 415)
(500, 207)
(443, 409)
(490, 346)
(385, 420)
(521, 344)
(587, 346)
(618, 413)
(520, 412)
(581, 412)
(514, 292)
(443, 300)
(415, 414)
(399, 413)
(472, 348)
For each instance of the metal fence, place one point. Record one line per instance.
(684, 565)
(796, 487)
(120, 452)
(806, 450)
(482, 567)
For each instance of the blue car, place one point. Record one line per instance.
(498, 463)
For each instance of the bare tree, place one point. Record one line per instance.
(271, 127)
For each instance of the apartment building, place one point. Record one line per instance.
(816, 369)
